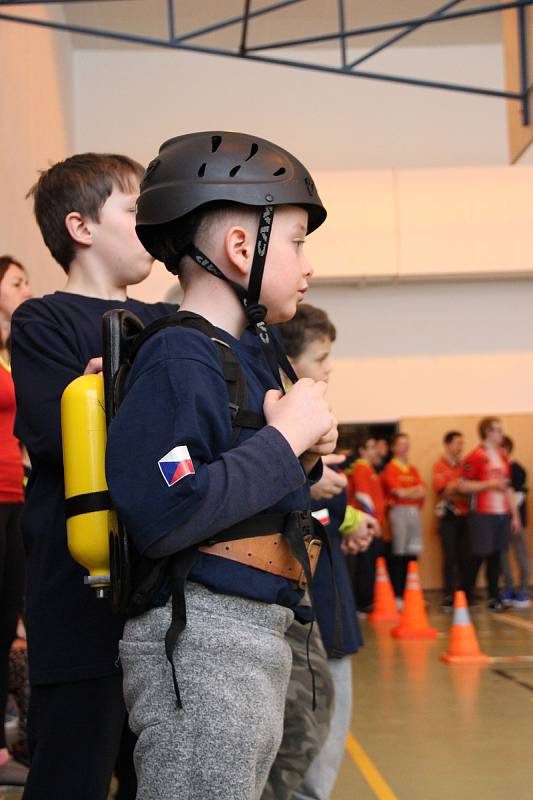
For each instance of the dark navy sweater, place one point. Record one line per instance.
(177, 398)
(323, 586)
(71, 634)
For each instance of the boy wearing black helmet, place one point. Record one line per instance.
(229, 214)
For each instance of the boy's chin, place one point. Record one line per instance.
(139, 274)
(279, 315)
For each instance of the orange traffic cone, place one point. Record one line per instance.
(463, 647)
(414, 621)
(384, 601)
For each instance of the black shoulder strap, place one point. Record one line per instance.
(126, 335)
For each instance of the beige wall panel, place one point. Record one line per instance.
(34, 132)
(375, 389)
(465, 220)
(426, 437)
(359, 235)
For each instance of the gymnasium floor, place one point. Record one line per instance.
(423, 730)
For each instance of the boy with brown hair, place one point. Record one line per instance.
(85, 208)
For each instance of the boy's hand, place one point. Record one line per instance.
(302, 416)
(326, 444)
(94, 366)
(331, 483)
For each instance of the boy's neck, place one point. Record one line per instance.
(219, 305)
(94, 283)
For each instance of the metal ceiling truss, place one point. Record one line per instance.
(403, 28)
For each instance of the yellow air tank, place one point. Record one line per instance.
(89, 515)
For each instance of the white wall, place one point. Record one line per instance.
(134, 99)
(427, 350)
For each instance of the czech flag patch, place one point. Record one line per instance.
(177, 464)
(322, 515)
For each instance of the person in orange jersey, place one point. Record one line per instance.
(487, 476)
(367, 495)
(451, 509)
(404, 496)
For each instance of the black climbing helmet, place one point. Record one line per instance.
(198, 169)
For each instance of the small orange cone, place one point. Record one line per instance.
(384, 601)
(463, 647)
(414, 621)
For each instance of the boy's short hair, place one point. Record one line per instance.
(81, 183)
(397, 436)
(308, 324)
(508, 444)
(485, 425)
(362, 440)
(175, 237)
(450, 436)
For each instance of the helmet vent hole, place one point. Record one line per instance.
(234, 171)
(253, 150)
(216, 141)
(280, 171)
(201, 171)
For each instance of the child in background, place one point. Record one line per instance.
(308, 339)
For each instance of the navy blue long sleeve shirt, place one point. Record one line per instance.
(71, 635)
(177, 398)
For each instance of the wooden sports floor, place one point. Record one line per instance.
(423, 730)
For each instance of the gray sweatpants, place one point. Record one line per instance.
(233, 666)
(322, 774)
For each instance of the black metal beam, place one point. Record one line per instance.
(342, 28)
(244, 32)
(218, 26)
(142, 40)
(392, 26)
(170, 19)
(389, 42)
(524, 80)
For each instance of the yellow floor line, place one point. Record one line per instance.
(518, 623)
(368, 770)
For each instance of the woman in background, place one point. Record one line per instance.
(14, 289)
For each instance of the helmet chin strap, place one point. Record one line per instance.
(255, 311)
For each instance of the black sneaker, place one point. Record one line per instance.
(495, 604)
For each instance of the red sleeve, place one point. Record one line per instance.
(440, 477)
(472, 467)
(417, 476)
(361, 479)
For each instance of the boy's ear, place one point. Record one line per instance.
(78, 228)
(239, 248)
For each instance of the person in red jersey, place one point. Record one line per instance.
(14, 289)
(366, 495)
(486, 476)
(451, 509)
(404, 496)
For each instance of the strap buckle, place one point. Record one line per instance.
(313, 547)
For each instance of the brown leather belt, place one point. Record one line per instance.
(270, 553)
